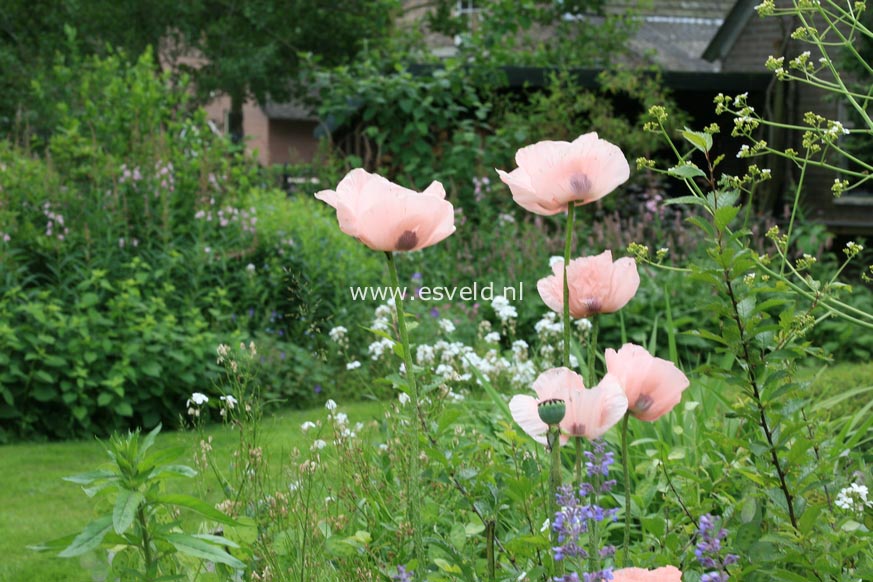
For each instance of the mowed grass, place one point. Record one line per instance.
(38, 505)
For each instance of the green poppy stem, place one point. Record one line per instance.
(578, 473)
(571, 213)
(413, 488)
(592, 350)
(554, 442)
(627, 504)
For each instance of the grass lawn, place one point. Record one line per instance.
(39, 506)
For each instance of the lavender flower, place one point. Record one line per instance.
(709, 550)
(402, 575)
(578, 517)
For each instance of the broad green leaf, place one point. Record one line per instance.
(724, 216)
(89, 477)
(125, 509)
(195, 505)
(686, 172)
(202, 549)
(446, 567)
(699, 139)
(90, 537)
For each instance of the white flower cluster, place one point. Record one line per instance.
(338, 335)
(378, 348)
(353, 365)
(446, 325)
(424, 354)
(853, 498)
(506, 313)
(549, 327)
(194, 403)
(382, 320)
(492, 338)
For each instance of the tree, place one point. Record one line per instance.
(254, 49)
(250, 49)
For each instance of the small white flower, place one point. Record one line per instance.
(446, 325)
(250, 269)
(353, 365)
(493, 337)
(546, 525)
(383, 447)
(230, 401)
(307, 425)
(294, 486)
(318, 445)
(583, 324)
(341, 418)
(338, 333)
(330, 405)
(403, 397)
(198, 399)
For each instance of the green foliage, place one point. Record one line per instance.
(143, 528)
(136, 244)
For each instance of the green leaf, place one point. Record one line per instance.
(151, 368)
(89, 477)
(125, 509)
(90, 537)
(202, 549)
(686, 172)
(174, 471)
(446, 567)
(699, 139)
(724, 216)
(195, 505)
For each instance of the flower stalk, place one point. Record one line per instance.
(627, 503)
(412, 483)
(568, 243)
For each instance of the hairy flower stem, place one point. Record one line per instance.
(554, 442)
(413, 488)
(627, 503)
(592, 350)
(577, 441)
(751, 367)
(571, 213)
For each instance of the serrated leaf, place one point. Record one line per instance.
(125, 509)
(699, 139)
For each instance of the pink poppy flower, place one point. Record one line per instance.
(388, 217)
(590, 412)
(665, 574)
(597, 285)
(653, 386)
(553, 174)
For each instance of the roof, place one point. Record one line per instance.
(674, 33)
(733, 26)
(676, 43)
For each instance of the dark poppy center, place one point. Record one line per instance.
(407, 241)
(643, 403)
(580, 184)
